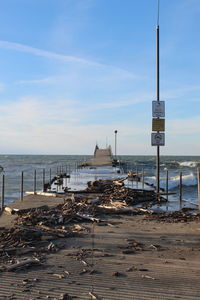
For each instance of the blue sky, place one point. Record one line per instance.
(74, 71)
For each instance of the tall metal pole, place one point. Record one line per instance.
(158, 99)
(115, 144)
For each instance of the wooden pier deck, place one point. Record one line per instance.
(166, 264)
(102, 157)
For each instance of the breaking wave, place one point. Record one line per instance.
(190, 164)
(187, 180)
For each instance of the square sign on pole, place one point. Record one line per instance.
(158, 139)
(158, 109)
(158, 124)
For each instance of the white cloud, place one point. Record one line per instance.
(33, 125)
(188, 125)
(181, 92)
(63, 58)
(45, 80)
(2, 86)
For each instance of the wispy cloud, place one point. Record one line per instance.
(122, 101)
(45, 80)
(63, 58)
(180, 92)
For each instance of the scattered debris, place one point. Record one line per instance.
(175, 216)
(60, 276)
(21, 264)
(64, 296)
(94, 296)
(148, 277)
(118, 274)
(36, 230)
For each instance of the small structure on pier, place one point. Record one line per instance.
(102, 157)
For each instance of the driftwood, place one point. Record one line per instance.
(118, 183)
(54, 230)
(33, 227)
(8, 210)
(22, 263)
(94, 296)
(88, 218)
(17, 211)
(18, 250)
(116, 210)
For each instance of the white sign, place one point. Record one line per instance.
(157, 139)
(158, 109)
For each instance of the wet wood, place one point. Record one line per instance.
(23, 263)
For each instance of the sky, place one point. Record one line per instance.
(74, 71)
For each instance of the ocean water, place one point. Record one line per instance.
(14, 165)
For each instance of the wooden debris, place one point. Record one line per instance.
(64, 296)
(8, 210)
(94, 296)
(87, 217)
(118, 274)
(37, 227)
(22, 263)
(176, 216)
(148, 277)
(60, 276)
(18, 250)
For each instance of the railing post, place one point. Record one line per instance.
(198, 180)
(2, 192)
(43, 179)
(181, 189)
(34, 183)
(50, 175)
(143, 178)
(22, 186)
(167, 183)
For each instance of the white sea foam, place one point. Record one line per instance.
(190, 164)
(187, 180)
(99, 170)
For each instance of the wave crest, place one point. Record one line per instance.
(187, 180)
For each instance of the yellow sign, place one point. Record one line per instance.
(158, 124)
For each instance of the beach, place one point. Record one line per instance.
(123, 257)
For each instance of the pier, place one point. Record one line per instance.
(105, 255)
(132, 258)
(102, 157)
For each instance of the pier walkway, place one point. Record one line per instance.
(164, 265)
(102, 157)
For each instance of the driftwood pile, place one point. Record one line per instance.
(37, 231)
(114, 190)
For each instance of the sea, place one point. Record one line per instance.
(48, 166)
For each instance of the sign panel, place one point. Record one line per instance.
(158, 124)
(157, 139)
(158, 109)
